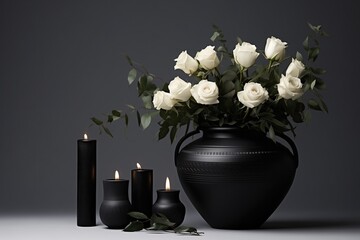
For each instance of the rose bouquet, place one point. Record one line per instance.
(260, 90)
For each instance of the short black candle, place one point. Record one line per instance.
(116, 205)
(142, 190)
(86, 182)
(168, 203)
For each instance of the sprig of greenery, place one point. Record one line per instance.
(158, 222)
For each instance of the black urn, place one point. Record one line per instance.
(235, 178)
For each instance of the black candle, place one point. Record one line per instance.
(86, 182)
(142, 190)
(169, 204)
(116, 205)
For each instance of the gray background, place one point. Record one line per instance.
(62, 62)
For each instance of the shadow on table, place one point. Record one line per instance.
(307, 224)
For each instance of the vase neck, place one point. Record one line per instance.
(228, 132)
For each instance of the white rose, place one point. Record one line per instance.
(186, 63)
(207, 58)
(295, 68)
(253, 95)
(245, 54)
(163, 100)
(275, 49)
(205, 92)
(290, 87)
(179, 89)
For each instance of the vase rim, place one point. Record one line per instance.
(226, 128)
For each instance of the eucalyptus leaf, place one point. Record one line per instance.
(134, 226)
(145, 120)
(159, 226)
(116, 113)
(214, 36)
(159, 218)
(164, 130)
(272, 133)
(132, 75)
(131, 106)
(138, 215)
(239, 40)
(126, 119)
(313, 84)
(306, 43)
(299, 56)
(138, 116)
(96, 121)
(313, 104)
(129, 60)
(173, 133)
(147, 101)
(107, 131)
(184, 229)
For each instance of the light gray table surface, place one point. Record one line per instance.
(294, 226)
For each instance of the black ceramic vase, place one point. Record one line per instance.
(116, 205)
(235, 178)
(169, 204)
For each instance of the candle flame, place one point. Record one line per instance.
(167, 184)
(85, 136)
(138, 166)
(117, 177)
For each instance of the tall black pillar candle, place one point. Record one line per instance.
(86, 182)
(142, 190)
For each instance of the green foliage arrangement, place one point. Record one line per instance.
(157, 222)
(254, 91)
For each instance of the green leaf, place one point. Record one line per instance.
(318, 71)
(131, 107)
(161, 219)
(313, 53)
(318, 30)
(96, 121)
(173, 133)
(323, 106)
(145, 120)
(227, 89)
(126, 120)
(132, 75)
(110, 118)
(116, 113)
(272, 133)
(107, 131)
(159, 226)
(306, 43)
(147, 101)
(239, 40)
(228, 76)
(138, 215)
(313, 84)
(299, 56)
(221, 49)
(138, 116)
(134, 226)
(214, 36)
(184, 229)
(313, 104)
(164, 130)
(129, 60)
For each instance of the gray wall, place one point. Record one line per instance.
(62, 62)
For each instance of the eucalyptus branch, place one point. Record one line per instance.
(158, 222)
